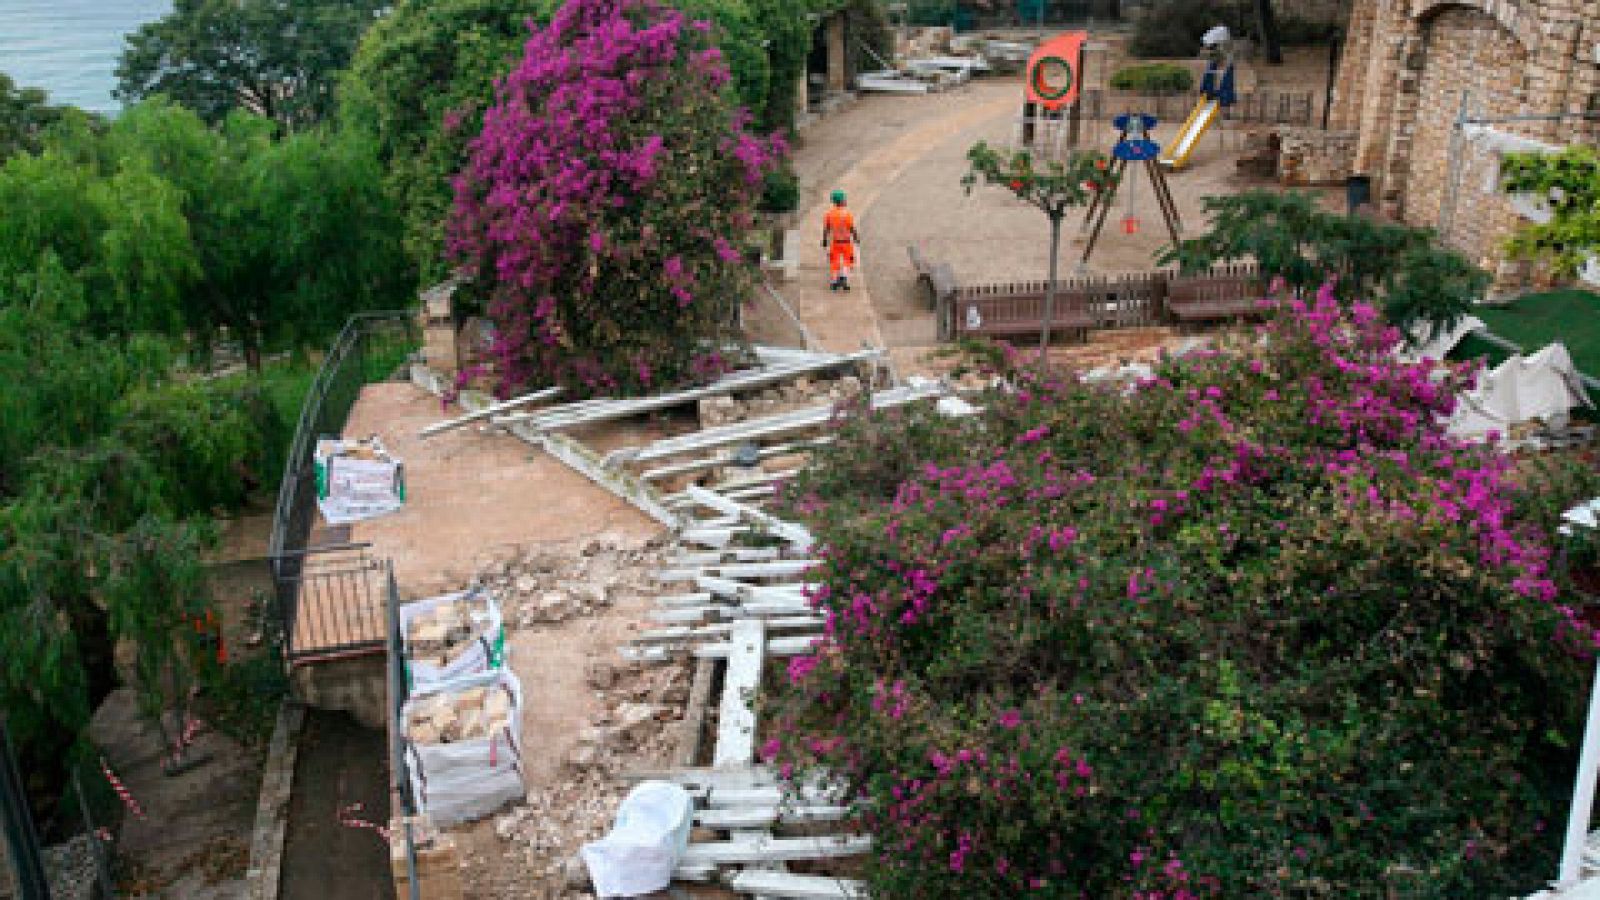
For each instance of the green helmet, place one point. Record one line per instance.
(838, 196)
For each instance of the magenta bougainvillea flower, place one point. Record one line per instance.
(604, 198)
(1223, 634)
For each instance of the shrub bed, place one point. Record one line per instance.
(1255, 627)
(1153, 78)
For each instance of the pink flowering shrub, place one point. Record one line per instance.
(1256, 629)
(602, 211)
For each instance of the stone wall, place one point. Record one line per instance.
(1311, 156)
(358, 685)
(1469, 58)
(1412, 68)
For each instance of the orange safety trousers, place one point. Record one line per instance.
(841, 256)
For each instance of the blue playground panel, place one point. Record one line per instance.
(1136, 150)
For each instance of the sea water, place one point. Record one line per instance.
(71, 47)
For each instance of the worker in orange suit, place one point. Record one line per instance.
(840, 238)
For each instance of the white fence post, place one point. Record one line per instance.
(1582, 792)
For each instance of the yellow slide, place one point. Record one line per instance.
(1204, 113)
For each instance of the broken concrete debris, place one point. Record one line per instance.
(725, 409)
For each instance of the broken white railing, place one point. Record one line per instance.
(747, 606)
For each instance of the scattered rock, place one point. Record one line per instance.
(601, 675)
(576, 873)
(632, 717)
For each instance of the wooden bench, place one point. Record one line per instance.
(935, 281)
(1209, 298)
(998, 314)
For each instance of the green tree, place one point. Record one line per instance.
(25, 114)
(1570, 182)
(1050, 186)
(107, 469)
(1293, 238)
(288, 236)
(419, 82)
(276, 58)
(785, 26)
(122, 234)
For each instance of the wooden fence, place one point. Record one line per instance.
(1260, 107)
(1129, 300)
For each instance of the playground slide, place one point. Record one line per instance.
(1205, 112)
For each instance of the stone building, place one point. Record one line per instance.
(1435, 91)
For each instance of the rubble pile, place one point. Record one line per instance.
(640, 704)
(635, 728)
(635, 731)
(799, 393)
(545, 587)
(926, 41)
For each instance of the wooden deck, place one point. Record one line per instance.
(341, 608)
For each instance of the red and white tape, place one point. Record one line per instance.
(191, 729)
(121, 789)
(348, 819)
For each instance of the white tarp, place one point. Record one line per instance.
(357, 480)
(1439, 345)
(1499, 143)
(452, 635)
(469, 772)
(1543, 386)
(1585, 515)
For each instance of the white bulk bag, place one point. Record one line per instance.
(486, 651)
(470, 778)
(350, 488)
(644, 845)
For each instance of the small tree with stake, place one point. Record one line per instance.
(1051, 185)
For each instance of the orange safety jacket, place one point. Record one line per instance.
(839, 224)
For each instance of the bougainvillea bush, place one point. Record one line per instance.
(606, 200)
(1253, 627)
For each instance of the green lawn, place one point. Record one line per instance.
(1572, 317)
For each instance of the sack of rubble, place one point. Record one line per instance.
(357, 480)
(463, 746)
(450, 636)
(645, 843)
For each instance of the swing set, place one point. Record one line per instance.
(1133, 146)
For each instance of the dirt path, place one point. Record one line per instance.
(552, 545)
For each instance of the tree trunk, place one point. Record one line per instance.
(1050, 289)
(1268, 23)
(252, 350)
